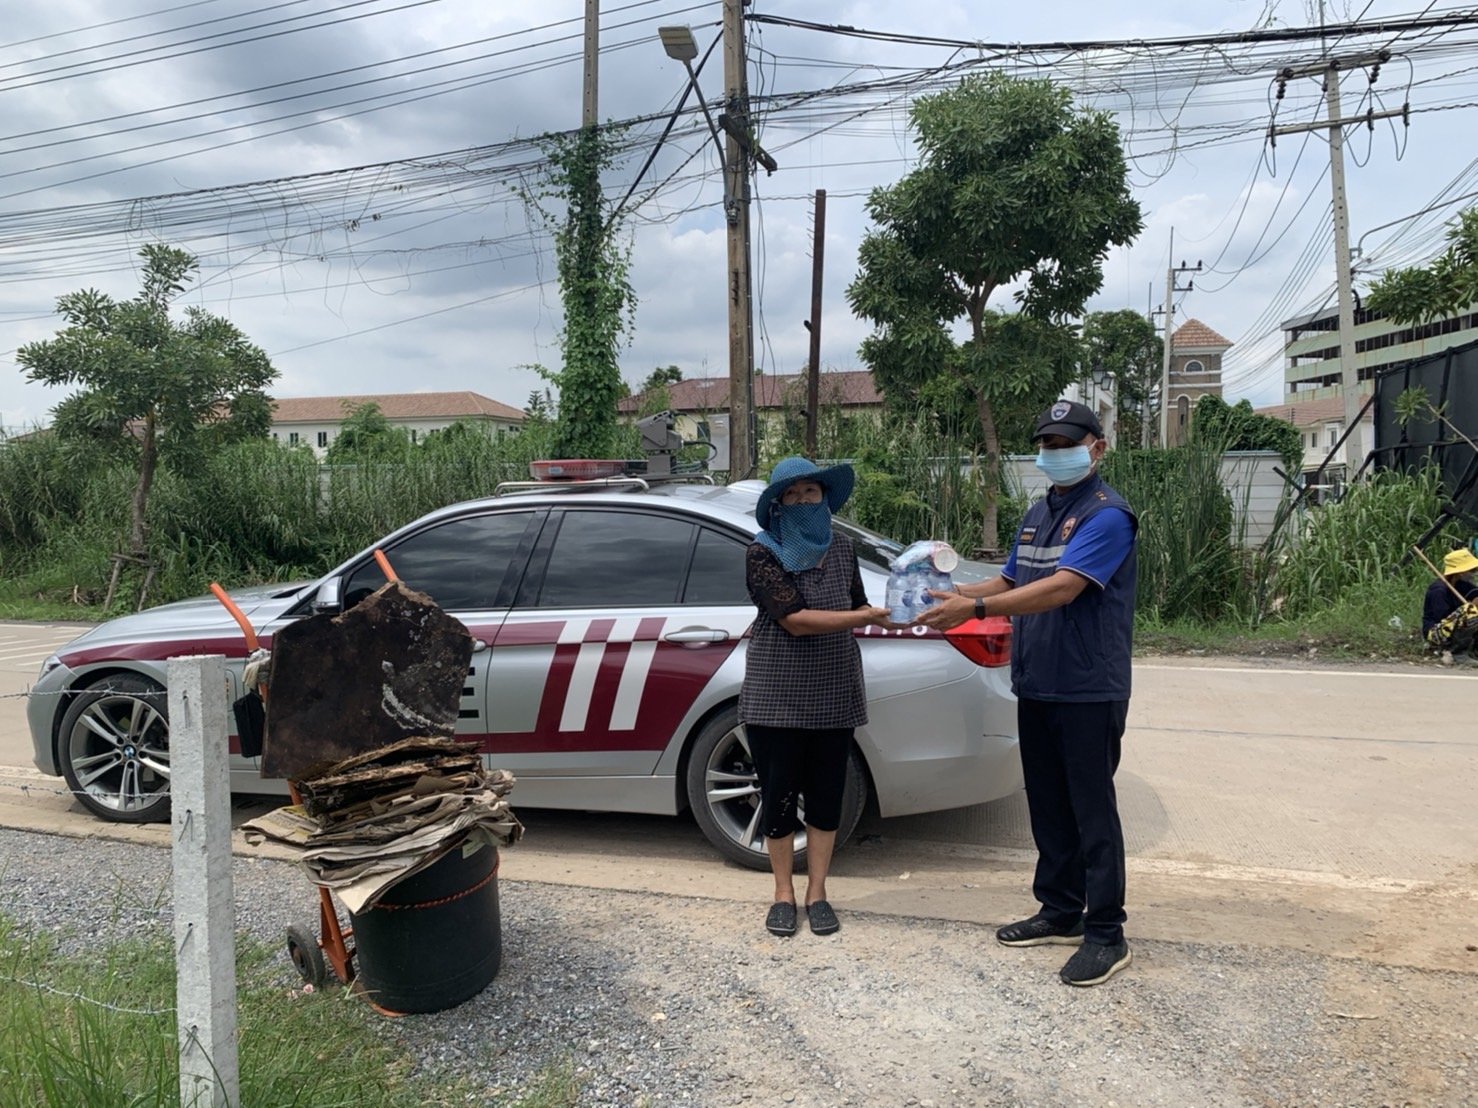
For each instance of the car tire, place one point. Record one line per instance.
(723, 793)
(113, 749)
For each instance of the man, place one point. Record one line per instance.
(1069, 586)
(1450, 608)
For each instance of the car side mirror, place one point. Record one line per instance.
(329, 598)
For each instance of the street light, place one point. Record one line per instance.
(681, 46)
(1103, 379)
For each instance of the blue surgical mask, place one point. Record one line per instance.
(1067, 466)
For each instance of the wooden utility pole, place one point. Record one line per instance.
(736, 215)
(813, 363)
(592, 63)
(1171, 288)
(1330, 69)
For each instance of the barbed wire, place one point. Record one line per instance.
(41, 986)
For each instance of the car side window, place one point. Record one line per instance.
(460, 564)
(605, 559)
(717, 573)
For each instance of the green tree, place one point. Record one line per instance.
(1444, 288)
(1014, 185)
(593, 260)
(367, 436)
(149, 386)
(1128, 346)
(655, 395)
(1222, 426)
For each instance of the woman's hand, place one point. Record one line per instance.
(880, 617)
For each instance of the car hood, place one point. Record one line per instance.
(202, 617)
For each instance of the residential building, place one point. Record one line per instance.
(1311, 347)
(1195, 371)
(701, 405)
(1320, 422)
(315, 420)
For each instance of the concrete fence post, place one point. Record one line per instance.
(204, 903)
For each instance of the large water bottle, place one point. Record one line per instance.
(922, 566)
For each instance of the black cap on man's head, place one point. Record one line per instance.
(1069, 419)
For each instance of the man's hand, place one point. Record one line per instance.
(953, 610)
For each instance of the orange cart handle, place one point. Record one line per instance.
(238, 616)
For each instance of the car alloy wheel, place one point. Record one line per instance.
(113, 748)
(724, 794)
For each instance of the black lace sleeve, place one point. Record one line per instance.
(772, 589)
(859, 594)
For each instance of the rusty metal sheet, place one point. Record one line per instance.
(391, 667)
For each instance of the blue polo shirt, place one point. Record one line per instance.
(1096, 550)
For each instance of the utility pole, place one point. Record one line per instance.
(736, 215)
(1330, 70)
(592, 62)
(813, 364)
(1172, 271)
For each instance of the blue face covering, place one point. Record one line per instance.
(799, 534)
(1065, 467)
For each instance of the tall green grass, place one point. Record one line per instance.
(97, 1031)
(258, 513)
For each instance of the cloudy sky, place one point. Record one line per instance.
(349, 172)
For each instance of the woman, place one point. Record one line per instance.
(803, 694)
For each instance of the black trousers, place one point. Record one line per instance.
(1069, 753)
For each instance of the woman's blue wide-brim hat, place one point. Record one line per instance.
(836, 481)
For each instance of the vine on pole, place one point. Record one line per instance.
(593, 261)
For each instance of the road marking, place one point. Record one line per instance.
(1311, 672)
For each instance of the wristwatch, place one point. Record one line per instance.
(980, 607)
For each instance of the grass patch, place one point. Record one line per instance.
(117, 1046)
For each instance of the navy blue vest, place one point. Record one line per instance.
(1079, 651)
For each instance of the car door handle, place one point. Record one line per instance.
(697, 636)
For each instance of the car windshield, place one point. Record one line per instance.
(871, 547)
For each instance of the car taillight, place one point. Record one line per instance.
(986, 642)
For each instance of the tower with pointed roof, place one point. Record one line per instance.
(1195, 371)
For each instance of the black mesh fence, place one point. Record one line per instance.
(1450, 381)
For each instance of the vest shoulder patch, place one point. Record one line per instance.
(1067, 527)
(1028, 533)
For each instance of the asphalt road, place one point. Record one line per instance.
(1323, 808)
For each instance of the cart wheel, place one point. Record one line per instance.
(306, 956)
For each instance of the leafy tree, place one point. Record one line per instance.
(540, 407)
(367, 436)
(1223, 426)
(1014, 185)
(1128, 346)
(150, 387)
(662, 375)
(1444, 288)
(593, 262)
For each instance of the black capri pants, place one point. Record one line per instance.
(793, 762)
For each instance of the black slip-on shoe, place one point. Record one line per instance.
(823, 920)
(1038, 931)
(781, 919)
(1095, 963)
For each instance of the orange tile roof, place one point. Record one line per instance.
(1193, 335)
(1307, 413)
(394, 405)
(849, 388)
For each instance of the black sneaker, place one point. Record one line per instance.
(1095, 963)
(1038, 931)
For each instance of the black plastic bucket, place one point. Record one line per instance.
(435, 939)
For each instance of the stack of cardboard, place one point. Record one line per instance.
(372, 820)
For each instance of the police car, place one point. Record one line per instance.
(610, 619)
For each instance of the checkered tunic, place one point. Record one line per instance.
(803, 681)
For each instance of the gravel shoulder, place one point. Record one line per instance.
(683, 999)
